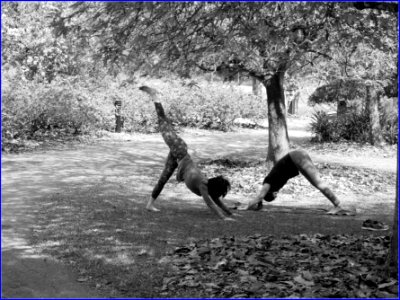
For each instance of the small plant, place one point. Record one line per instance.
(354, 127)
(323, 128)
(389, 125)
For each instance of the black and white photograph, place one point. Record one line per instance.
(199, 149)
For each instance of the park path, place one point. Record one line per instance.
(30, 178)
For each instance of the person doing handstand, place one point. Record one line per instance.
(288, 167)
(212, 190)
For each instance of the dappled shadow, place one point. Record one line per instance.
(28, 179)
(86, 207)
(99, 226)
(107, 232)
(29, 275)
(109, 169)
(31, 181)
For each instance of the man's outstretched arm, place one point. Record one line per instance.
(211, 204)
(258, 199)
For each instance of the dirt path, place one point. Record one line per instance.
(29, 178)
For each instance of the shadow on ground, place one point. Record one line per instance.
(116, 244)
(85, 207)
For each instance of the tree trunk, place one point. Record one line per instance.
(294, 104)
(256, 86)
(341, 109)
(119, 124)
(392, 267)
(119, 119)
(277, 127)
(371, 106)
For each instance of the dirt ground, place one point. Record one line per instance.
(129, 165)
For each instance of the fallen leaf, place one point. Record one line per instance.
(307, 275)
(301, 280)
(82, 279)
(142, 252)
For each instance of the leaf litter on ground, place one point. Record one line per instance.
(106, 248)
(246, 177)
(344, 266)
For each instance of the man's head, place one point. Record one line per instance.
(218, 186)
(270, 196)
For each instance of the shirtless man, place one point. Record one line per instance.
(212, 190)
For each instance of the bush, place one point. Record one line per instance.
(351, 127)
(389, 125)
(209, 107)
(354, 127)
(38, 110)
(323, 128)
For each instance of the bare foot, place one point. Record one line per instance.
(334, 210)
(151, 208)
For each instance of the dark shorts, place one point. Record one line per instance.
(283, 170)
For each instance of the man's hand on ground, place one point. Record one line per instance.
(256, 206)
(242, 207)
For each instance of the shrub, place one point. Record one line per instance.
(206, 107)
(389, 125)
(323, 128)
(36, 110)
(352, 127)
(78, 105)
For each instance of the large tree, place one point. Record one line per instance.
(264, 40)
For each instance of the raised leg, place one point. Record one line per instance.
(175, 143)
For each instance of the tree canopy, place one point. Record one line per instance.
(258, 38)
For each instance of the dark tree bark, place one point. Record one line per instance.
(341, 109)
(277, 127)
(371, 106)
(119, 124)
